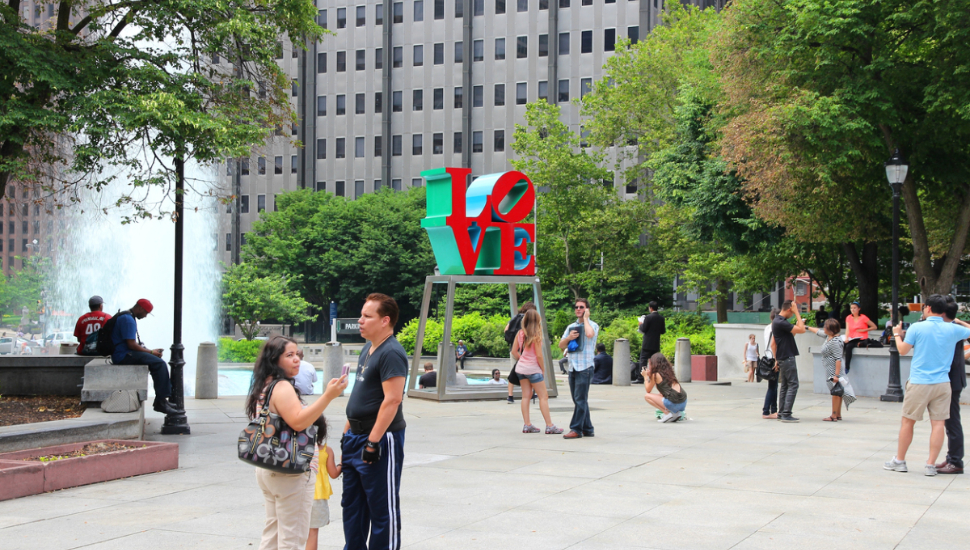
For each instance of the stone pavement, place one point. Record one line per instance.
(723, 479)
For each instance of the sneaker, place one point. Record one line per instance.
(530, 429)
(669, 417)
(930, 470)
(789, 419)
(680, 416)
(510, 400)
(553, 430)
(898, 465)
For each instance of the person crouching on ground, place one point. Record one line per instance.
(530, 366)
(672, 399)
(288, 497)
(322, 491)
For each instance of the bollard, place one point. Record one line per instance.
(682, 360)
(333, 362)
(66, 349)
(207, 372)
(621, 362)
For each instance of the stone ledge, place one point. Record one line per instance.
(101, 379)
(93, 424)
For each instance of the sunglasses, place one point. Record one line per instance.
(580, 307)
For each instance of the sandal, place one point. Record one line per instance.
(832, 418)
(839, 418)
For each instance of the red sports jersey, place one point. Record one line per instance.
(88, 324)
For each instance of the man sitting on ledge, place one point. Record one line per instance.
(130, 351)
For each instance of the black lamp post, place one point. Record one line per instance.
(178, 423)
(896, 169)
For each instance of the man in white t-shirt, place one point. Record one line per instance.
(306, 377)
(770, 409)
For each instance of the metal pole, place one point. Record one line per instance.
(178, 423)
(894, 392)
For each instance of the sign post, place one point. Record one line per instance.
(333, 322)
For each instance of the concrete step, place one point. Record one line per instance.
(101, 379)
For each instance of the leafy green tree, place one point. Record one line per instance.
(587, 235)
(341, 250)
(100, 83)
(820, 94)
(251, 299)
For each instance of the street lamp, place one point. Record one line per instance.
(178, 423)
(896, 170)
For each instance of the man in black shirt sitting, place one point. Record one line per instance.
(430, 378)
(373, 440)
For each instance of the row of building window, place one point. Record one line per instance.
(478, 50)
(25, 226)
(417, 145)
(24, 210)
(478, 8)
(438, 98)
(12, 247)
(261, 166)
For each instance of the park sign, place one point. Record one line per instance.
(479, 230)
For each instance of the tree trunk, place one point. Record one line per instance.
(721, 302)
(866, 273)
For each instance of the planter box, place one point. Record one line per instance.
(20, 477)
(703, 368)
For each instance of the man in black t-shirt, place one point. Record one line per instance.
(652, 326)
(430, 378)
(958, 381)
(784, 351)
(373, 440)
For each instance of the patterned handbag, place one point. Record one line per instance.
(268, 442)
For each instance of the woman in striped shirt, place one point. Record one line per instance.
(832, 361)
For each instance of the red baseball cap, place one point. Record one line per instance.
(145, 304)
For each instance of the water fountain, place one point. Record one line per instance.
(123, 263)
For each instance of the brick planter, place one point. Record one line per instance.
(20, 477)
(703, 368)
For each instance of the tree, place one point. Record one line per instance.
(821, 93)
(587, 236)
(109, 89)
(342, 250)
(251, 299)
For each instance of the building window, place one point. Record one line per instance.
(439, 9)
(544, 90)
(396, 184)
(377, 185)
(458, 97)
(260, 203)
(478, 96)
(437, 144)
(417, 143)
(522, 47)
(479, 7)
(439, 99)
(293, 164)
(260, 169)
(417, 100)
(633, 33)
(458, 52)
(322, 18)
(361, 16)
(341, 104)
(378, 147)
(321, 186)
(587, 2)
(294, 87)
(339, 189)
(321, 149)
(397, 102)
(418, 55)
(415, 182)
(243, 170)
(564, 43)
(543, 45)
(358, 189)
(361, 59)
(228, 242)
(521, 93)
(399, 12)
(341, 148)
(499, 145)
(321, 63)
(609, 40)
(543, 4)
(478, 50)
(456, 146)
(379, 14)
(398, 61)
(341, 62)
(379, 58)
(341, 18)
(499, 6)
(563, 91)
(499, 95)
(359, 104)
(321, 105)
(396, 145)
(439, 54)
(499, 48)
(522, 5)
(419, 10)
(586, 42)
(477, 142)
(459, 9)
(585, 87)
(378, 102)
(244, 204)
(278, 165)
(563, 3)
(359, 148)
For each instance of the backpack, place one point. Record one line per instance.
(514, 326)
(99, 342)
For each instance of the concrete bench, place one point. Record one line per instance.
(101, 379)
(42, 374)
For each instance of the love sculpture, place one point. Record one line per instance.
(480, 231)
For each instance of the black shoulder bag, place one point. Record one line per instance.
(269, 442)
(766, 364)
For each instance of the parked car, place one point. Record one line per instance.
(61, 337)
(17, 346)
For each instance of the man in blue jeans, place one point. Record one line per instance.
(784, 350)
(130, 351)
(579, 344)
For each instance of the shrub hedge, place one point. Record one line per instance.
(242, 351)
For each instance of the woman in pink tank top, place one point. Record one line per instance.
(530, 366)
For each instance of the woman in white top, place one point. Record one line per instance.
(527, 351)
(751, 354)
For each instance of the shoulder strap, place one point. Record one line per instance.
(269, 393)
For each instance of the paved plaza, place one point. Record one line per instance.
(723, 479)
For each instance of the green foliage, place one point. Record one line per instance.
(485, 337)
(625, 327)
(242, 351)
(560, 319)
(251, 299)
(685, 322)
(489, 338)
(434, 331)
